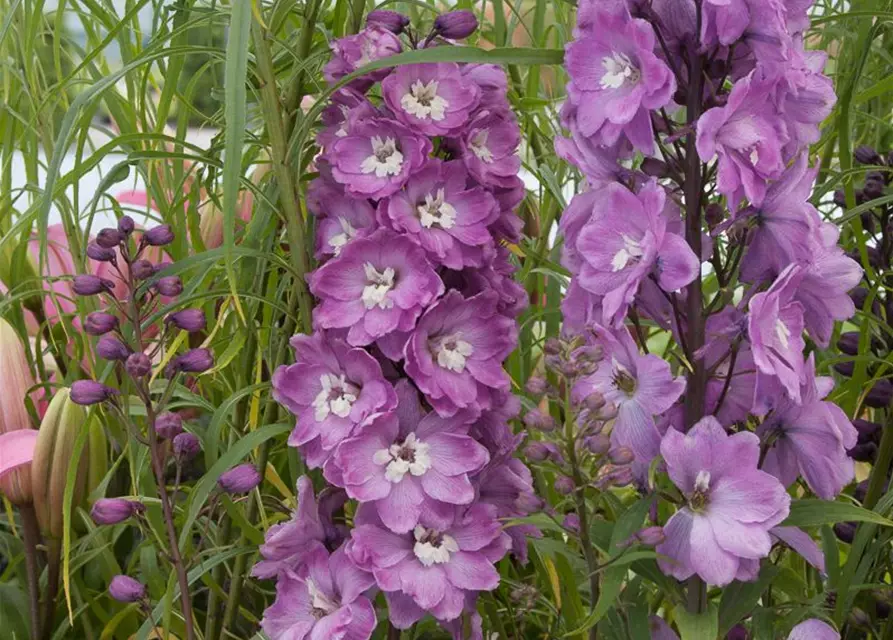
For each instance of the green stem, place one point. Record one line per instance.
(393, 632)
(31, 538)
(881, 466)
(217, 577)
(279, 152)
(54, 562)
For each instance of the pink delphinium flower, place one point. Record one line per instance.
(377, 285)
(810, 439)
(455, 353)
(434, 98)
(435, 567)
(488, 146)
(288, 545)
(616, 80)
(354, 52)
(409, 467)
(376, 157)
(730, 504)
(620, 251)
(332, 388)
(813, 629)
(443, 213)
(323, 602)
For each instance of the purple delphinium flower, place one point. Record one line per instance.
(435, 567)
(340, 220)
(802, 543)
(492, 82)
(376, 157)
(440, 211)
(828, 277)
(616, 80)
(730, 504)
(432, 98)
(488, 147)
(287, 545)
(639, 386)
(326, 601)
(378, 284)
(660, 630)
(126, 589)
(599, 164)
(813, 629)
(781, 224)
(810, 439)
(620, 251)
(332, 388)
(455, 353)
(409, 467)
(353, 52)
(775, 329)
(806, 97)
(507, 484)
(747, 134)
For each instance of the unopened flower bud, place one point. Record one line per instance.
(110, 348)
(169, 286)
(456, 25)
(142, 269)
(126, 225)
(537, 452)
(840, 198)
(126, 589)
(193, 361)
(159, 236)
(109, 238)
(393, 21)
(571, 522)
(168, 425)
(621, 455)
(873, 189)
(867, 155)
(99, 323)
(186, 446)
(859, 619)
(845, 531)
(738, 632)
(138, 365)
(655, 168)
(845, 368)
(598, 444)
(190, 320)
(864, 452)
(564, 486)
(114, 510)
(87, 392)
(610, 475)
(880, 394)
(849, 343)
(536, 419)
(868, 431)
(536, 385)
(86, 285)
(651, 536)
(594, 401)
(240, 479)
(552, 346)
(714, 214)
(99, 254)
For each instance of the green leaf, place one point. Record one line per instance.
(815, 513)
(739, 598)
(698, 626)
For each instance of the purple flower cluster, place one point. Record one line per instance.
(400, 394)
(753, 99)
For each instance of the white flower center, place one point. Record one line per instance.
(411, 456)
(378, 284)
(385, 160)
(452, 352)
(423, 102)
(631, 252)
(754, 156)
(336, 397)
(437, 211)
(320, 603)
(619, 70)
(702, 481)
(433, 547)
(783, 333)
(347, 234)
(479, 146)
